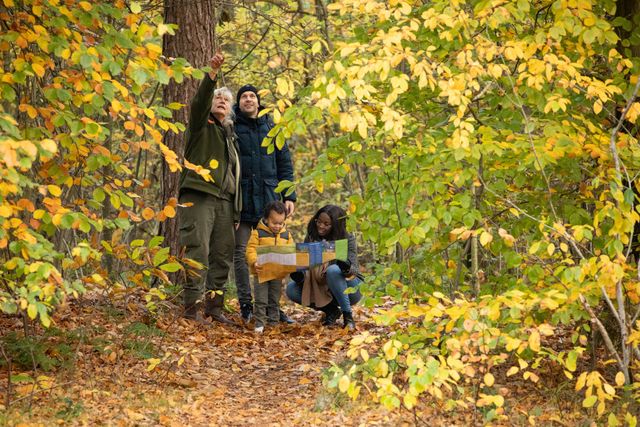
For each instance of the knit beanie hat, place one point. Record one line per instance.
(247, 88)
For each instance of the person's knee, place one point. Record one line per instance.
(292, 292)
(334, 271)
(355, 298)
(239, 253)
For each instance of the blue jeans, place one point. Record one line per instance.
(337, 284)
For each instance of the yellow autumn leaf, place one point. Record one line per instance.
(409, 400)
(32, 311)
(551, 249)
(8, 3)
(85, 5)
(546, 329)
(153, 362)
(5, 211)
(597, 107)
(54, 190)
(49, 145)
(485, 238)
(619, 379)
(534, 340)
(343, 384)
(489, 379)
(390, 350)
(282, 86)
(213, 164)
(38, 69)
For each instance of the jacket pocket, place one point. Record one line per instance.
(189, 237)
(270, 194)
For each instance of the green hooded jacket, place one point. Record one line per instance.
(207, 140)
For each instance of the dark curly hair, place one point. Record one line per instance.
(276, 206)
(338, 224)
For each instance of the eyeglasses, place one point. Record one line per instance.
(326, 224)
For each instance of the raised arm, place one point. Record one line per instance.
(201, 102)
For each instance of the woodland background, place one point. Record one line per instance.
(487, 152)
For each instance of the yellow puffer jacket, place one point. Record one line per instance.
(263, 236)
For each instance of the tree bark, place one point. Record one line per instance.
(194, 41)
(629, 9)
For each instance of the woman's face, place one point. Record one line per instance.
(323, 224)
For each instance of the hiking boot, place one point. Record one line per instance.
(246, 312)
(213, 308)
(217, 316)
(348, 321)
(192, 312)
(332, 312)
(286, 319)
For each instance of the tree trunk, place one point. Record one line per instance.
(629, 9)
(194, 41)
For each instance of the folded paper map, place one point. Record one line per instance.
(278, 261)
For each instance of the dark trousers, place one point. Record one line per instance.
(240, 267)
(207, 233)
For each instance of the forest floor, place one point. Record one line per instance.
(93, 367)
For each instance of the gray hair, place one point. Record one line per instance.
(226, 93)
(227, 122)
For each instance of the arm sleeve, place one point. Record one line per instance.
(252, 253)
(201, 104)
(285, 169)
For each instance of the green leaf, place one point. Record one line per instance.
(154, 242)
(161, 256)
(98, 194)
(171, 267)
(572, 358)
(589, 401)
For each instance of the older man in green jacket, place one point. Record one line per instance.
(207, 226)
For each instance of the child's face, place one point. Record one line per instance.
(275, 222)
(323, 224)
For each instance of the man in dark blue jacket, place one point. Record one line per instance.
(261, 173)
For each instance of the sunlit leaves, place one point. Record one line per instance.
(91, 93)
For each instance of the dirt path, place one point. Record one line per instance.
(206, 375)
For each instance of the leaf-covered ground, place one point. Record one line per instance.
(99, 359)
(205, 375)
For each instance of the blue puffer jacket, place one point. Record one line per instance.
(261, 172)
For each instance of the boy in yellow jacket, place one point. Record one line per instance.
(270, 231)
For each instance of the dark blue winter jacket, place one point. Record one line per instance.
(261, 172)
